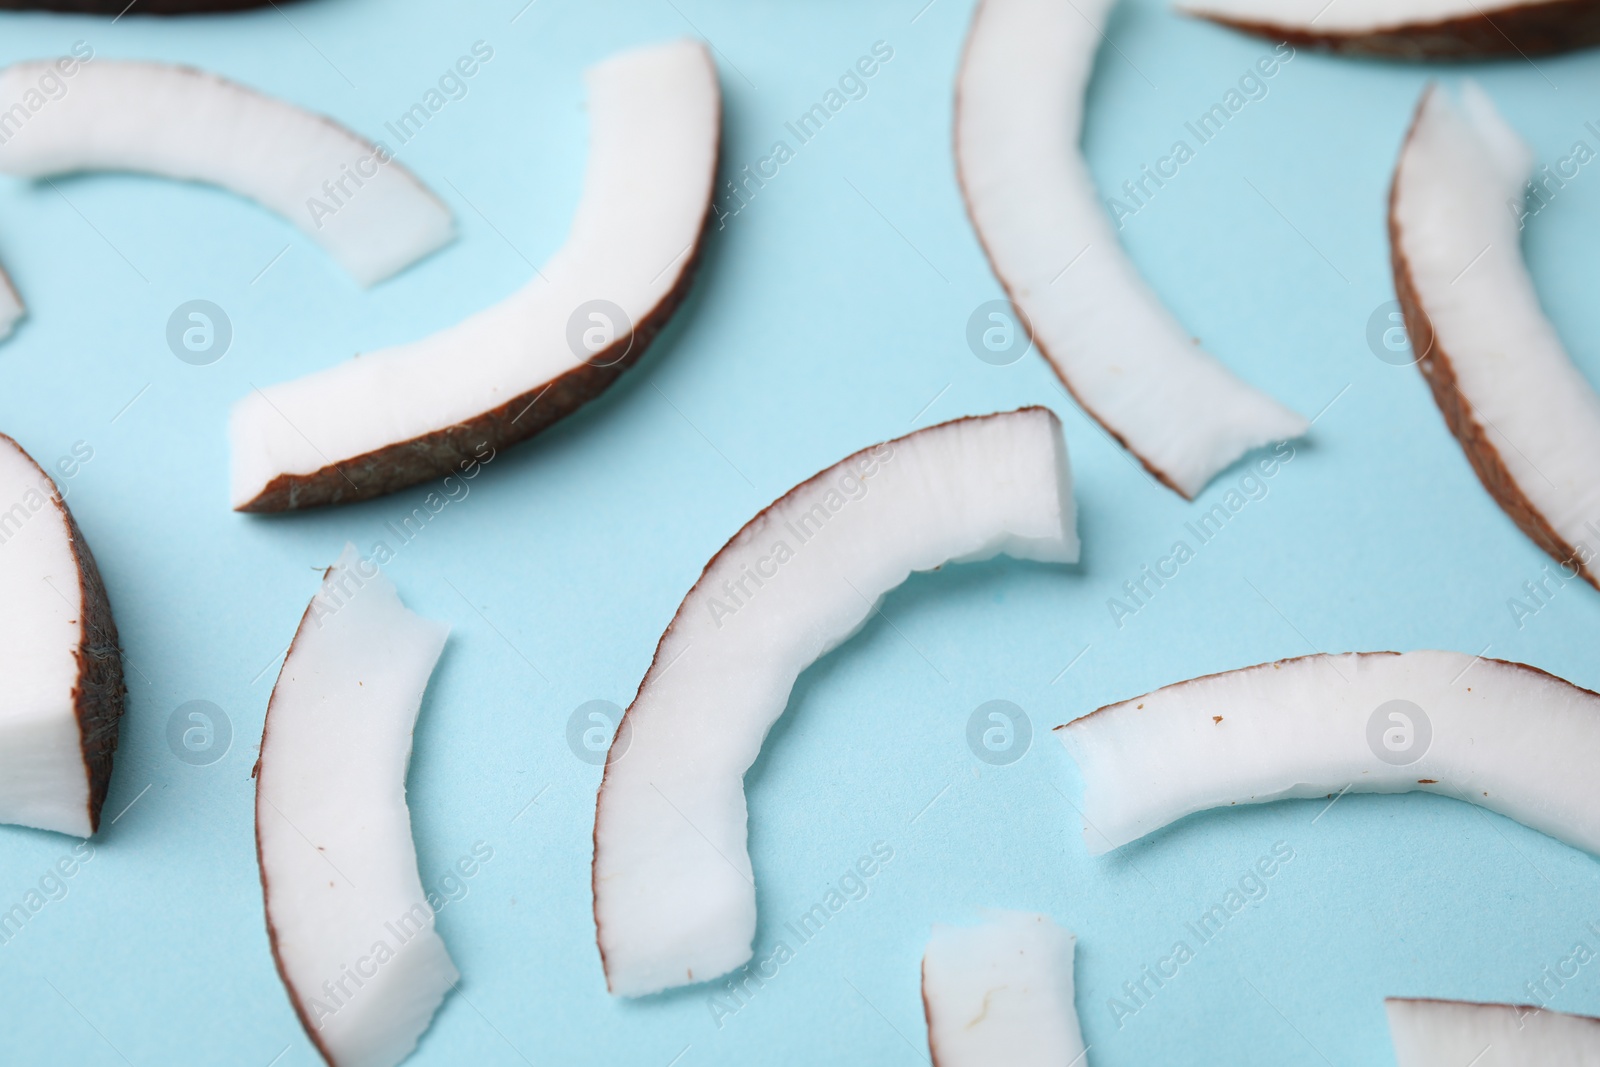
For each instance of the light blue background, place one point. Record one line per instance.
(818, 326)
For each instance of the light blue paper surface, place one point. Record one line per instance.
(830, 314)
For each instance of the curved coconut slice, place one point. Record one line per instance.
(1524, 414)
(350, 927)
(1413, 29)
(1503, 735)
(1454, 1033)
(1127, 361)
(1001, 993)
(11, 306)
(674, 900)
(348, 195)
(406, 414)
(62, 700)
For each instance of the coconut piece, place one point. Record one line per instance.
(1413, 29)
(11, 307)
(1001, 993)
(1502, 735)
(406, 414)
(1525, 416)
(350, 926)
(674, 897)
(1455, 1033)
(62, 702)
(347, 194)
(1124, 358)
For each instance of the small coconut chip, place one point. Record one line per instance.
(62, 702)
(1506, 736)
(11, 307)
(349, 924)
(674, 894)
(1455, 1033)
(1117, 349)
(403, 415)
(1413, 29)
(345, 193)
(1526, 417)
(1001, 993)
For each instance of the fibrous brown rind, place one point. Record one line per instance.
(436, 454)
(98, 699)
(307, 1022)
(1523, 30)
(1434, 363)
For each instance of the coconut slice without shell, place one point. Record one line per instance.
(1127, 361)
(1413, 29)
(1526, 417)
(62, 701)
(350, 928)
(1506, 736)
(402, 415)
(347, 194)
(11, 306)
(674, 896)
(1455, 1033)
(1001, 993)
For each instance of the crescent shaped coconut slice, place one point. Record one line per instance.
(349, 924)
(674, 896)
(1505, 736)
(62, 703)
(1001, 993)
(12, 309)
(1455, 1033)
(1116, 348)
(1413, 29)
(1526, 417)
(64, 116)
(392, 418)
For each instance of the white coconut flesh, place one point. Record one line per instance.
(631, 242)
(1458, 192)
(1001, 993)
(374, 217)
(11, 306)
(675, 899)
(1352, 18)
(350, 926)
(1127, 361)
(1453, 1033)
(45, 779)
(1505, 736)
